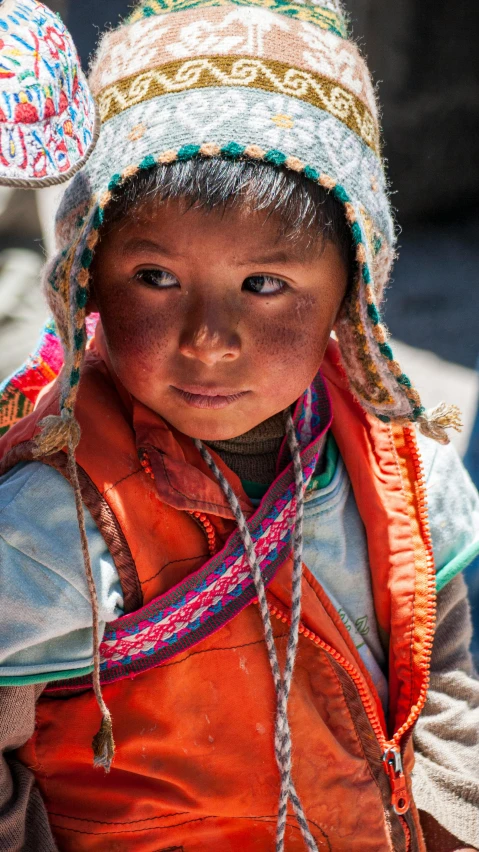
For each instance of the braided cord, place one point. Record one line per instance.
(103, 744)
(250, 552)
(283, 697)
(283, 746)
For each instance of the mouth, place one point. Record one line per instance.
(205, 397)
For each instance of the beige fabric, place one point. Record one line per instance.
(24, 825)
(446, 738)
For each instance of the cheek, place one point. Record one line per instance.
(136, 337)
(295, 340)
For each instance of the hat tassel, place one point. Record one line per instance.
(57, 432)
(434, 423)
(103, 744)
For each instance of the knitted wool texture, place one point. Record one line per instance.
(48, 119)
(254, 455)
(267, 80)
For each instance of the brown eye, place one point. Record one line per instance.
(264, 285)
(158, 278)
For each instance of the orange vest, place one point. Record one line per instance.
(194, 767)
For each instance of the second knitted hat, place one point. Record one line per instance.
(48, 119)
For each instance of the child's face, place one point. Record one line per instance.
(212, 320)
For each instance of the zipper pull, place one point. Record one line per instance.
(393, 765)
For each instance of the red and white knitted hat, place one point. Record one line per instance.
(48, 118)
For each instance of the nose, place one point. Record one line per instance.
(208, 336)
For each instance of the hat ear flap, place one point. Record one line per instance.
(375, 377)
(68, 291)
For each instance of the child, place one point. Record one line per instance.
(252, 496)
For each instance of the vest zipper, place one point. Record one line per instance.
(407, 832)
(392, 754)
(204, 522)
(392, 759)
(352, 672)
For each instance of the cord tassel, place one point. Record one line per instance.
(103, 744)
(57, 432)
(433, 424)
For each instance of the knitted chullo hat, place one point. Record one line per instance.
(48, 119)
(268, 80)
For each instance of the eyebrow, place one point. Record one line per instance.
(139, 245)
(274, 257)
(280, 256)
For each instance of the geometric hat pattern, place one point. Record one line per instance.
(275, 81)
(48, 118)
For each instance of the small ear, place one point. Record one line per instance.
(91, 305)
(340, 309)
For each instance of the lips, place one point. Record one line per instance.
(208, 397)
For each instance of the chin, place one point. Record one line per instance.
(217, 433)
(211, 430)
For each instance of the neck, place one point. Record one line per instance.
(254, 455)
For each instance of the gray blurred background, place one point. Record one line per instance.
(423, 56)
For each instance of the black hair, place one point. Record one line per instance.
(304, 208)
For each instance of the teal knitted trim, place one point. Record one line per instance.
(148, 162)
(81, 297)
(366, 274)
(114, 182)
(87, 258)
(79, 338)
(311, 174)
(45, 677)
(374, 314)
(98, 218)
(456, 565)
(357, 236)
(387, 351)
(233, 150)
(187, 152)
(275, 157)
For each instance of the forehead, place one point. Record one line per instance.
(176, 223)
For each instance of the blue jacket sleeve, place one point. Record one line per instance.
(45, 629)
